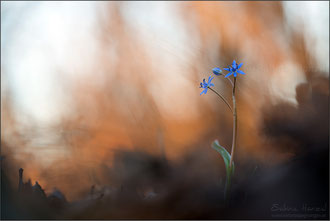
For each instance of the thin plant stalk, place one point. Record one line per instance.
(234, 126)
(229, 175)
(224, 99)
(230, 82)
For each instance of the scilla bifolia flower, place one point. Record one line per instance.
(228, 158)
(206, 85)
(234, 69)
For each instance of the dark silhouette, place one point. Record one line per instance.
(20, 182)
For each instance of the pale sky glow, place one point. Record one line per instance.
(41, 49)
(163, 31)
(40, 38)
(53, 26)
(315, 18)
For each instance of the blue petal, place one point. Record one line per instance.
(234, 64)
(210, 79)
(239, 66)
(211, 84)
(235, 74)
(227, 69)
(230, 73)
(204, 82)
(241, 72)
(204, 91)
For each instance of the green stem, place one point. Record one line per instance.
(227, 186)
(221, 98)
(234, 126)
(229, 175)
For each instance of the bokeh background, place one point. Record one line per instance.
(81, 81)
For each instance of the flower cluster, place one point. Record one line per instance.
(233, 70)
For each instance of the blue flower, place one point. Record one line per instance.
(234, 69)
(217, 71)
(206, 85)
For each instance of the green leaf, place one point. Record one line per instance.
(225, 155)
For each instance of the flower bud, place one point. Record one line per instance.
(217, 71)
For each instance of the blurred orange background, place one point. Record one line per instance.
(80, 80)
